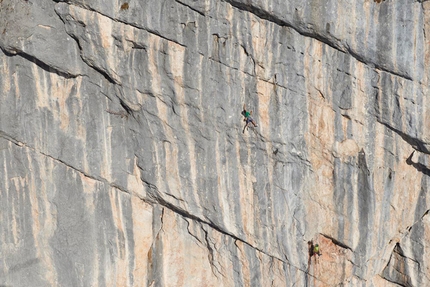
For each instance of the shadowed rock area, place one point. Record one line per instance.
(123, 161)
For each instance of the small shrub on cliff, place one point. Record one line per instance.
(124, 6)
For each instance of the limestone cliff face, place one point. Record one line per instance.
(123, 162)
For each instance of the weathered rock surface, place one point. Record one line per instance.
(123, 161)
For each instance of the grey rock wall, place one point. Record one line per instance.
(123, 161)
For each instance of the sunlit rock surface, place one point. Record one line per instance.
(123, 162)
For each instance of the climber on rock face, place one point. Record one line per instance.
(317, 250)
(247, 118)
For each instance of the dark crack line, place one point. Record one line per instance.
(102, 180)
(113, 81)
(161, 220)
(173, 196)
(156, 33)
(255, 76)
(262, 14)
(337, 242)
(10, 138)
(86, 61)
(376, 66)
(409, 228)
(157, 196)
(417, 165)
(252, 59)
(156, 199)
(191, 8)
(425, 214)
(308, 274)
(230, 67)
(41, 64)
(99, 70)
(156, 237)
(24, 145)
(189, 231)
(394, 282)
(408, 258)
(414, 142)
(211, 256)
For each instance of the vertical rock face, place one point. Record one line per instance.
(123, 161)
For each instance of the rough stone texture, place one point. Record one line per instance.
(123, 161)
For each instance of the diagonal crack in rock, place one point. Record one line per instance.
(44, 66)
(21, 144)
(332, 42)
